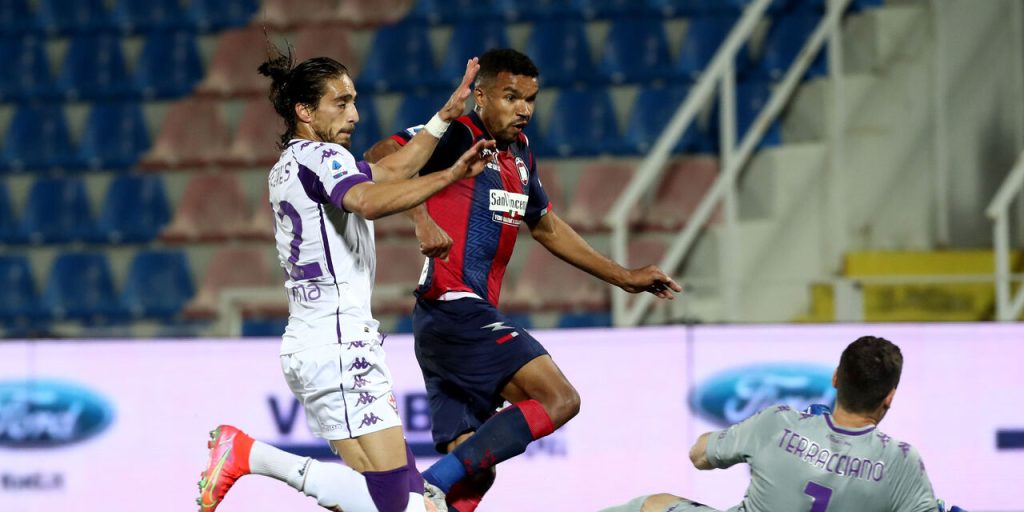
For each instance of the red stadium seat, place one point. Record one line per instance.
(256, 141)
(230, 267)
(260, 225)
(646, 250)
(397, 225)
(325, 41)
(290, 14)
(212, 208)
(552, 183)
(192, 135)
(547, 283)
(399, 265)
(682, 187)
(599, 186)
(372, 12)
(232, 71)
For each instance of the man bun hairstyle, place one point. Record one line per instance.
(497, 60)
(869, 369)
(291, 85)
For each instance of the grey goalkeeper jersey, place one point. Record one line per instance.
(801, 462)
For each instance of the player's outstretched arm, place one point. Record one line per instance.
(406, 161)
(563, 241)
(375, 200)
(699, 452)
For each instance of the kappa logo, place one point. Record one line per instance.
(327, 153)
(493, 157)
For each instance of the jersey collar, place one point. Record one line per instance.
(845, 431)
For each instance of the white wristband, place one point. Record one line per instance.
(436, 126)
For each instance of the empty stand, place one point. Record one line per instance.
(158, 285)
(703, 37)
(636, 50)
(547, 282)
(783, 43)
(72, 16)
(37, 140)
(368, 13)
(94, 69)
(80, 288)
(287, 15)
(229, 267)
(256, 141)
(18, 298)
(260, 225)
(469, 39)
(8, 222)
(169, 65)
(751, 97)
(398, 271)
(192, 135)
(15, 16)
(114, 137)
(323, 40)
(599, 186)
(683, 186)
(232, 70)
(551, 180)
(27, 73)
(141, 16)
(212, 208)
(416, 109)
(57, 211)
(135, 210)
(652, 110)
(210, 15)
(561, 51)
(583, 124)
(400, 58)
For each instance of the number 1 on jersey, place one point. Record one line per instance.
(820, 495)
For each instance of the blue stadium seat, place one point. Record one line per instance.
(584, 320)
(141, 16)
(534, 10)
(416, 109)
(602, 9)
(169, 65)
(636, 50)
(652, 110)
(18, 298)
(8, 222)
(264, 327)
(80, 288)
(93, 69)
(368, 129)
(702, 40)
(57, 211)
(16, 17)
(135, 209)
(27, 69)
(37, 140)
(561, 52)
(469, 39)
(538, 143)
(159, 283)
(786, 37)
(583, 124)
(454, 11)
(213, 15)
(751, 98)
(73, 16)
(403, 325)
(400, 59)
(114, 137)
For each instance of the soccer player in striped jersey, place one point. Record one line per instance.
(474, 357)
(838, 462)
(324, 202)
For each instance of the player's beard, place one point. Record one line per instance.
(336, 138)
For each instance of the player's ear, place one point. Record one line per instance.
(478, 96)
(888, 399)
(303, 113)
(835, 378)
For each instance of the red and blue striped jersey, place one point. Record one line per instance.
(482, 214)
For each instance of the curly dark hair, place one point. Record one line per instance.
(497, 60)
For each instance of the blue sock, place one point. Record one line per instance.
(500, 438)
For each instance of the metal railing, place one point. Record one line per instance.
(721, 74)
(1008, 306)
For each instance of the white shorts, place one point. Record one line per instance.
(344, 387)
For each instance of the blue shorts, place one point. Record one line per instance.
(468, 351)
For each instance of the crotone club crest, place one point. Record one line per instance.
(524, 173)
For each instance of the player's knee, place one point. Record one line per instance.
(659, 502)
(566, 406)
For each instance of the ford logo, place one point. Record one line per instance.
(735, 395)
(44, 413)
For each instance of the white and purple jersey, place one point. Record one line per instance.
(804, 462)
(327, 253)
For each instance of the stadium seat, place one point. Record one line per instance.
(16, 17)
(213, 15)
(599, 186)
(37, 140)
(561, 51)
(583, 124)
(538, 143)
(751, 98)
(142, 16)
(272, 327)
(256, 142)
(416, 109)
(114, 137)
(651, 113)
(134, 211)
(169, 65)
(398, 272)
(229, 267)
(93, 69)
(785, 39)
(192, 135)
(702, 40)
(647, 249)
(289, 15)
(328, 41)
(213, 207)
(368, 129)
(469, 39)
(585, 320)
(27, 69)
(260, 225)
(158, 285)
(636, 50)
(547, 283)
(551, 180)
(400, 59)
(18, 298)
(56, 211)
(456, 11)
(73, 16)
(8, 222)
(232, 70)
(371, 13)
(80, 288)
(611, 9)
(535, 10)
(683, 185)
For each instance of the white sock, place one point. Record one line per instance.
(337, 486)
(276, 463)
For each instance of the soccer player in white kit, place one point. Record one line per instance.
(802, 462)
(324, 202)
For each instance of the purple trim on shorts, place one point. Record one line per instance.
(828, 419)
(364, 168)
(342, 188)
(313, 186)
(415, 478)
(389, 489)
(307, 271)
